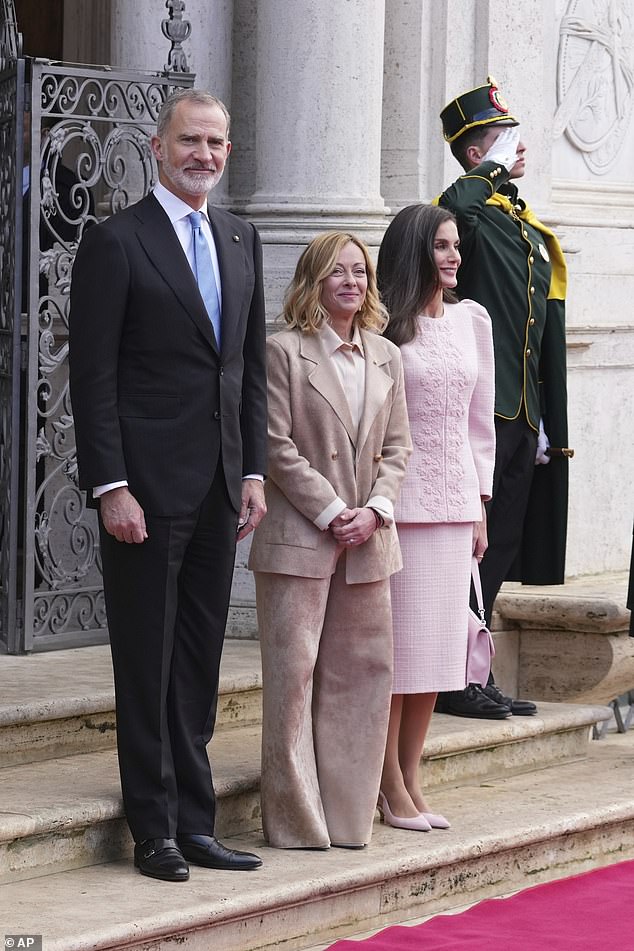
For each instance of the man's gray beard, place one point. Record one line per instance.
(191, 184)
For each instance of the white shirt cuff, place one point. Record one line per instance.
(383, 506)
(254, 475)
(331, 511)
(100, 490)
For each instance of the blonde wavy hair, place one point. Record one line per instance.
(302, 302)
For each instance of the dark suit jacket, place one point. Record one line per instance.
(154, 401)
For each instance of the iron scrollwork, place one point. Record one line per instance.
(90, 156)
(176, 30)
(95, 159)
(9, 347)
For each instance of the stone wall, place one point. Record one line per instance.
(335, 124)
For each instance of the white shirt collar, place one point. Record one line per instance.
(173, 206)
(333, 341)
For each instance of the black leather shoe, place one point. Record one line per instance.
(519, 708)
(206, 850)
(472, 702)
(161, 858)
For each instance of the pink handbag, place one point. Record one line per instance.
(480, 647)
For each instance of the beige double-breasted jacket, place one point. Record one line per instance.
(315, 456)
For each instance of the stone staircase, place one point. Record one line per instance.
(530, 799)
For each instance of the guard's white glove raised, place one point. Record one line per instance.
(504, 149)
(543, 443)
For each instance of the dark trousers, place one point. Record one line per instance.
(167, 601)
(516, 445)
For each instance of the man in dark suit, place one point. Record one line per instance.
(168, 385)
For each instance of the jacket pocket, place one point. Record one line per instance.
(149, 405)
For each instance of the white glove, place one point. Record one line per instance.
(543, 443)
(504, 149)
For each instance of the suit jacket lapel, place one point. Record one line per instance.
(377, 383)
(325, 380)
(231, 263)
(161, 245)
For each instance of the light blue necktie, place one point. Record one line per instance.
(204, 273)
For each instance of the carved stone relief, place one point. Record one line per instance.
(595, 79)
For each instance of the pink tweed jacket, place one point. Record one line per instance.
(449, 385)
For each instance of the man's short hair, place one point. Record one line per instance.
(198, 96)
(471, 137)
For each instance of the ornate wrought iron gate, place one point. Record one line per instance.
(82, 135)
(11, 111)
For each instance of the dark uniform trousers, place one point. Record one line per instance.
(167, 603)
(514, 467)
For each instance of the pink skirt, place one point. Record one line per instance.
(430, 600)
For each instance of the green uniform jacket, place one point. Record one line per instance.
(513, 265)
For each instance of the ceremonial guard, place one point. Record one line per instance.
(513, 265)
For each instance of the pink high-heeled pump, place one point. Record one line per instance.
(416, 823)
(436, 821)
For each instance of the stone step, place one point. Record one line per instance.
(67, 812)
(573, 640)
(507, 833)
(61, 703)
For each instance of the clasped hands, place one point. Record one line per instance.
(353, 527)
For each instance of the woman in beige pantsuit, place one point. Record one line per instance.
(323, 556)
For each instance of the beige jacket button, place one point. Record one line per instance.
(378, 457)
(334, 455)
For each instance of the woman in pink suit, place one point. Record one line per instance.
(447, 351)
(338, 446)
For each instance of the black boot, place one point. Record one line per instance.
(472, 702)
(519, 708)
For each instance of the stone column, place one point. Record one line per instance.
(429, 58)
(317, 125)
(319, 96)
(137, 42)
(434, 51)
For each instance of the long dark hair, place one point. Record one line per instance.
(406, 270)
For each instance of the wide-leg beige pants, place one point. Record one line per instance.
(327, 676)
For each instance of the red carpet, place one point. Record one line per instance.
(589, 912)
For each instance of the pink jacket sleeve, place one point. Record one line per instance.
(481, 410)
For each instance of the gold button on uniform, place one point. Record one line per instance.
(528, 353)
(531, 321)
(525, 234)
(532, 290)
(531, 260)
